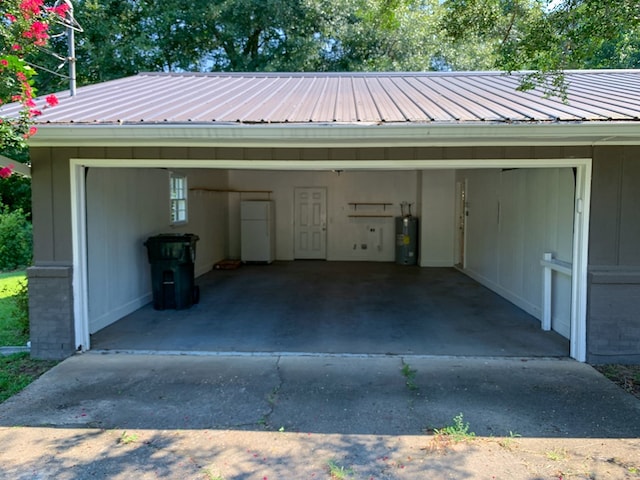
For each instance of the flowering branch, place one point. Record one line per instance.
(24, 27)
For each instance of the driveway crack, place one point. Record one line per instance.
(272, 399)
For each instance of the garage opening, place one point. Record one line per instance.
(482, 235)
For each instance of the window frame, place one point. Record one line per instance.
(178, 199)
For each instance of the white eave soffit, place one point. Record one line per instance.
(337, 135)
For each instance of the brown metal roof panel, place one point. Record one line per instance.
(119, 101)
(147, 103)
(393, 104)
(311, 93)
(261, 107)
(619, 98)
(507, 107)
(92, 100)
(365, 102)
(220, 94)
(468, 110)
(532, 107)
(166, 101)
(553, 107)
(325, 102)
(345, 101)
(194, 103)
(235, 106)
(433, 104)
(288, 109)
(604, 81)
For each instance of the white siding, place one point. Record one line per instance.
(437, 223)
(124, 208)
(514, 217)
(343, 231)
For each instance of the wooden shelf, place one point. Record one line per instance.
(384, 205)
(374, 212)
(226, 190)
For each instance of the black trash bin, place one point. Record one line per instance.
(172, 260)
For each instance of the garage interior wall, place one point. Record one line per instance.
(514, 216)
(349, 238)
(131, 205)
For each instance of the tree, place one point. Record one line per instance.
(549, 37)
(23, 28)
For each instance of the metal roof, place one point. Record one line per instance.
(345, 98)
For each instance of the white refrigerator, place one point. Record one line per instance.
(257, 231)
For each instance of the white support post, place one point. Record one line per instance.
(546, 293)
(549, 264)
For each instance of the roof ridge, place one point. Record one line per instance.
(465, 73)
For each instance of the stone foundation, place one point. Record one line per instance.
(51, 312)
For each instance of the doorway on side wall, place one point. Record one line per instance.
(461, 219)
(310, 223)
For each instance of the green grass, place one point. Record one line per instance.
(458, 432)
(10, 331)
(17, 371)
(338, 472)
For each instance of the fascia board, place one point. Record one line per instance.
(336, 135)
(17, 167)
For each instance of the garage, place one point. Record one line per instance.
(499, 179)
(476, 289)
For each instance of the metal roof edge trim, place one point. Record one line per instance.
(327, 135)
(426, 73)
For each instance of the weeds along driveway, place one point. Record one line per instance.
(274, 417)
(369, 395)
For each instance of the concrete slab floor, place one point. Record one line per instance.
(338, 307)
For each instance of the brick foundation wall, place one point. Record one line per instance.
(51, 312)
(613, 316)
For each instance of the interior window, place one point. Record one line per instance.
(178, 191)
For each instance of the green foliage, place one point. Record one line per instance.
(457, 432)
(21, 310)
(338, 472)
(16, 241)
(14, 321)
(124, 38)
(15, 193)
(410, 377)
(533, 35)
(17, 371)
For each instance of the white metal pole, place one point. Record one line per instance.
(72, 50)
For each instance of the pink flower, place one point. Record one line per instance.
(30, 7)
(38, 32)
(32, 131)
(15, 47)
(4, 62)
(5, 172)
(10, 17)
(51, 100)
(60, 10)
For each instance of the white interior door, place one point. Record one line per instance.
(310, 224)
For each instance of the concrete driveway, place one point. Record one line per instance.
(267, 417)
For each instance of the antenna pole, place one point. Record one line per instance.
(72, 50)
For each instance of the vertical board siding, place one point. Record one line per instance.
(514, 217)
(124, 208)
